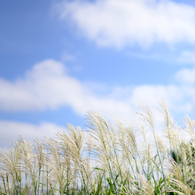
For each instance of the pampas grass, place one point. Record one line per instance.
(107, 158)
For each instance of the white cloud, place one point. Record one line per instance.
(126, 22)
(11, 130)
(177, 98)
(48, 86)
(154, 93)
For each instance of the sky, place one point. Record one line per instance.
(60, 59)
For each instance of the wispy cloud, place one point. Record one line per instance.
(67, 57)
(187, 57)
(11, 131)
(154, 56)
(48, 86)
(122, 22)
(186, 76)
(145, 56)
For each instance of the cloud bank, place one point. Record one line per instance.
(120, 23)
(11, 131)
(48, 86)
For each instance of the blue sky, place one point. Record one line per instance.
(61, 59)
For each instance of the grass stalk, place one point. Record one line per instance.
(64, 164)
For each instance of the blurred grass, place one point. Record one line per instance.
(107, 158)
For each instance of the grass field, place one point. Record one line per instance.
(107, 158)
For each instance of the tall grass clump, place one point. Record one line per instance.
(106, 158)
